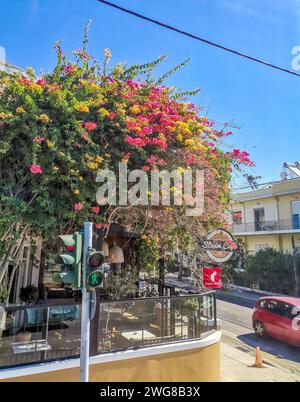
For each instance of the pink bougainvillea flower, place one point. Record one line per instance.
(98, 225)
(35, 169)
(152, 160)
(90, 126)
(132, 126)
(42, 83)
(83, 54)
(241, 157)
(78, 206)
(137, 142)
(39, 139)
(160, 143)
(147, 130)
(232, 244)
(85, 134)
(96, 210)
(132, 84)
(107, 226)
(70, 69)
(162, 162)
(112, 115)
(146, 168)
(25, 81)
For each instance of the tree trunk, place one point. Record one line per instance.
(2, 319)
(13, 253)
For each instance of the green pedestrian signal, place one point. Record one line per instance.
(95, 279)
(70, 248)
(94, 269)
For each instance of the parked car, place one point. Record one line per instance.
(278, 317)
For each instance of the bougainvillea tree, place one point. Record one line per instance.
(59, 129)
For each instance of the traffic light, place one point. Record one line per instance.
(95, 269)
(70, 247)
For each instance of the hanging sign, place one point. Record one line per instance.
(219, 245)
(211, 278)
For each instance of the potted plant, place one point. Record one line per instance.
(28, 295)
(190, 307)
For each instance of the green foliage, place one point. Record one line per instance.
(273, 270)
(190, 304)
(121, 285)
(148, 255)
(173, 70)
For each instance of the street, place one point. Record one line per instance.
(239, 335)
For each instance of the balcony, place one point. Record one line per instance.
(282, 225)
(36, 334)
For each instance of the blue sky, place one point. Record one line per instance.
(264, 102)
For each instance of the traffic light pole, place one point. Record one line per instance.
(85, 307)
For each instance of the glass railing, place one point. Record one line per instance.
(148, 322)
(38, 333)
(35, 334)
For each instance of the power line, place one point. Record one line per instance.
(192, 36)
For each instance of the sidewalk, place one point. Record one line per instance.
(237, 362)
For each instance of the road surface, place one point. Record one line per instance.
(238, 333)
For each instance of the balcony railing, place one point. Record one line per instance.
(37, 334)
(266, 226)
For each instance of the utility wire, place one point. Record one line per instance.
(192, 36)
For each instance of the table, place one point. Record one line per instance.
(32, 346)
(137, 335)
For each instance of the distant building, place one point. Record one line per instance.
(269, 216)
(9, 68)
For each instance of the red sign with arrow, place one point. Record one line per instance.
(212, 278)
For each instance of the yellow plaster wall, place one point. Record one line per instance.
(201, 364)
(270, 240)
(284, 205)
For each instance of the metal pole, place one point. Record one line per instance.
(85, 308)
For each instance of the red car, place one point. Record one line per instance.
(278, 317)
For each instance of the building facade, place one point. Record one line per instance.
(268, 217)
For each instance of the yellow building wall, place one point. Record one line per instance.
(284, 205)
(269, 240)
(195, 365)
(279, 242)
(287, 242)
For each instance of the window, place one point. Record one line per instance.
(273, 306)
(237, 217)
(279, 308)
(286, 310)
(296, 214)
(262, 304)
